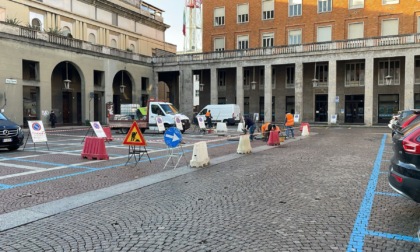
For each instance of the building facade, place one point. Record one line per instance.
(351, 61)
(76, 56)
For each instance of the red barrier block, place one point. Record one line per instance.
(273, 139)
(94, 148)
(108, 134)
(303, 124)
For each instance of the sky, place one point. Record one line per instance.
(173, 16)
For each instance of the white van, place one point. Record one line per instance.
(228, 113)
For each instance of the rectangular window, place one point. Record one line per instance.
(247, 79)
(389, 27)
(356, 4)
(295, 37)
(290, 77)
(355, 31)
(417, 71)
(115, 19)
(268, 40)
(389, 72)
(219, 16)
(390, 1)
(295, 8)
(324, 34)
(418, 24)
(30, 70)
(243, 13)
(222, 78)
(261, 79)
(243, 42)
(355, 74)
(219, 44)
(324, 6)
(322, 74)
(267, 9)
(273, 78)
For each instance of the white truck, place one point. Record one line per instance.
(146, 117)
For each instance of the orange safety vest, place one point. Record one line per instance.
(264, 127)
(289, 120)
(208, 114)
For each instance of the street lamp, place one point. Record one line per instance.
(315, 81)
(201, 88)
(253, 82)
(67, 81)
(388, 78)
(122, 86)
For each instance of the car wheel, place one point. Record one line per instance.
(13, 148)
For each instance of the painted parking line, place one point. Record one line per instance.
(360, 230)
(88, 169)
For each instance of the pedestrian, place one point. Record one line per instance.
(53, 119)
(250, 125)
(208, 119)
(289, 123)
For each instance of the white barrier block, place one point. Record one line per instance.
(200, 156)
(240, 127)
(221, 128)
(305, 131)
(244, 145)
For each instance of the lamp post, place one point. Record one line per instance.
(122, 86)
(388, 78)
(315, 81)
(67, 81)
(253, 82)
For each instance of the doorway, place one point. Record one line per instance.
(67, 107)
(354, 109)
(387, 106)
(321, 107)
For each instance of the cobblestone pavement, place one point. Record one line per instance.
(324, 192)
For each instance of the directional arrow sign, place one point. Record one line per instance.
(172, 137)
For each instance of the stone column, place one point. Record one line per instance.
(298, 90)
(240, 88)
(332, 90)
(214, 99)
(186, 92)
(268, 94)
(409, 81)
(155, 81)
(369, 90)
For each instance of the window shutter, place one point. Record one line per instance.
(355, 31)
(389, 27)
(324, 34)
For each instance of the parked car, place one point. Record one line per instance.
(11, 134)
(404, 170)
(405, 118)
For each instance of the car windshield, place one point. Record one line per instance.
(2, 117)
(169, 109)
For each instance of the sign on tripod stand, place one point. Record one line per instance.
(173, 139)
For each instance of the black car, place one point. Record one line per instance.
(404, 171)
(11, 134)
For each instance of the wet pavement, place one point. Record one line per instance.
(323, 192)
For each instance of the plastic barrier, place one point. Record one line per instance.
(200, 157)
(94, 148)
(303, 124)
(273, 139)
(244, 145)
(240, 127)
(305, 130)
(221, 128)
(108, 134)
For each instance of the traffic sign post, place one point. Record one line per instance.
(134, 139)
(173, 139)
(37, 133)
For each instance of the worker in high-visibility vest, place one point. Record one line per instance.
(208, 119)
(290, 122)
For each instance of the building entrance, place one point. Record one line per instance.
(354, 109)
(387, 106)
(321, 108)
(67, 106)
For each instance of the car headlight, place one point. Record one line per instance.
(19, 130)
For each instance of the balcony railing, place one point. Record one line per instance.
(305, 48)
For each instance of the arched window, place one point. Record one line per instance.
(66, 31)
(92, 38)
(36, 24)
(113, 43)
(132, 48)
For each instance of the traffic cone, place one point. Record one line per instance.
(305, 131)
(200, 157)
(244, 145)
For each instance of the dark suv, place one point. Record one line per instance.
(11, 134)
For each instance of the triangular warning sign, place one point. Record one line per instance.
(134, 136)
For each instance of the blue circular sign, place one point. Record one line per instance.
(96, 125)
(172, 137)
(36, 126)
